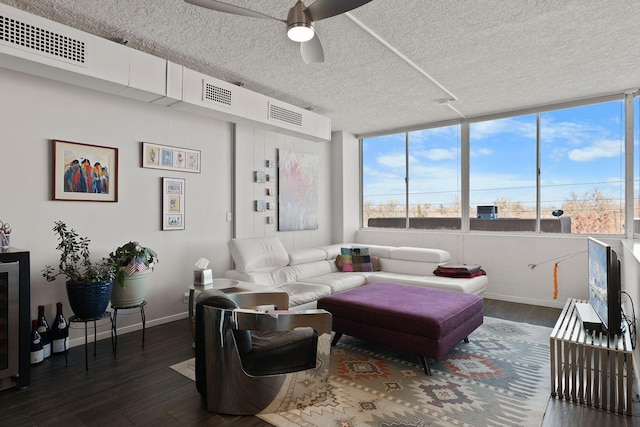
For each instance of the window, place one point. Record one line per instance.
(636, 168)
(430, 197)
(434, 178)
(553, 171)
(582, 167)
(383, 181)
(502, 174)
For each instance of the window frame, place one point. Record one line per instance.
(629, 114)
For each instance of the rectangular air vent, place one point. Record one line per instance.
(284, 115)
(35, 39)
(216, 94)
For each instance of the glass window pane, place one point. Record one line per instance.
(636, 167)
(383, 181)
(582, 167)
(434, 178)
(502, 174)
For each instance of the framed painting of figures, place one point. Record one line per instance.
(84, 172)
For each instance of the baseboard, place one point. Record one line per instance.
(106, 334)
(530, 301)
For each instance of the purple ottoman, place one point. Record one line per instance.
(428, 322)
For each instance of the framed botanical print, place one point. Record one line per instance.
(173, 203)
(157, 156)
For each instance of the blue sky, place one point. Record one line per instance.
(580, 150)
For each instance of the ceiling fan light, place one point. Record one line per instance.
(300, 32)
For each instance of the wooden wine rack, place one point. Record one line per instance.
(591, 369)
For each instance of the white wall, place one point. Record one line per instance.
(36, 110)
(506, 259)
(345, 176)
(252, 148)
(630, 283)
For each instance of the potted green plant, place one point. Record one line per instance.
(88, 282)
(134, 264)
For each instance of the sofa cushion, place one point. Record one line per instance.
(301, 256)
(339, 282)
(333, 251)
(420, 254)
(408, 267)
(258, 254)
(275, 353)
(374, 250)
(301, 293)
(375, 263)
(476, 285)
(355, 259)
(310, 269)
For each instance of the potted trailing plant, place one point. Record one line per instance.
(88, 282)
(133, 264)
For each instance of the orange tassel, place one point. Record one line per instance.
(555, 281)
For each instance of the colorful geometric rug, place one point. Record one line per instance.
(499, 378)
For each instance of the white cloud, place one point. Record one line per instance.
(598, 150)
(436, 154)
(484, 151)
(525, 127)
(391, 160)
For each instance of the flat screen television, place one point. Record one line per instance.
(605, 285)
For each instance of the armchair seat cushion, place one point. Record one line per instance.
(276, 353)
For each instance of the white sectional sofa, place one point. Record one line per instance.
(310, 274)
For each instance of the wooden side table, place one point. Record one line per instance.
(115, 309)
(591, 369)
(105, 315)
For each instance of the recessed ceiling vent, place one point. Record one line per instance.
(216, 95)
(284, 115)
(35, 39)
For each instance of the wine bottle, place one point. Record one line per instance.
(59, 332)
(37, 352)
(43, 328)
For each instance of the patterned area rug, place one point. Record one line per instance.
(499, 378)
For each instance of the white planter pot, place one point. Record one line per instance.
(133, 292)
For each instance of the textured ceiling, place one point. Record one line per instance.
(390, 63)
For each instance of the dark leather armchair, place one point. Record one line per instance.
(250, 361)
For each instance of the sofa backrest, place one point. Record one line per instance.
(410, 260)
(258, 254)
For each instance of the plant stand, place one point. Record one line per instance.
(105, 315)
(115, 309)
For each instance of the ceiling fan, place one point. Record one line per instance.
(299, 20)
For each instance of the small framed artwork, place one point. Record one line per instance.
(173, 203)
(84, 172)
(158, 156)
(259, 176)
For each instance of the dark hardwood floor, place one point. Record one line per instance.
(138, 389)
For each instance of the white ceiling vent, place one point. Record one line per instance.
(284, 115)
(41, 41)
(216, 94)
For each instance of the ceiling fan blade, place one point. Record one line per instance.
(323, 9)
(311, 51)
(229, 8)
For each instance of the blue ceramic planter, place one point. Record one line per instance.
(89, 300)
